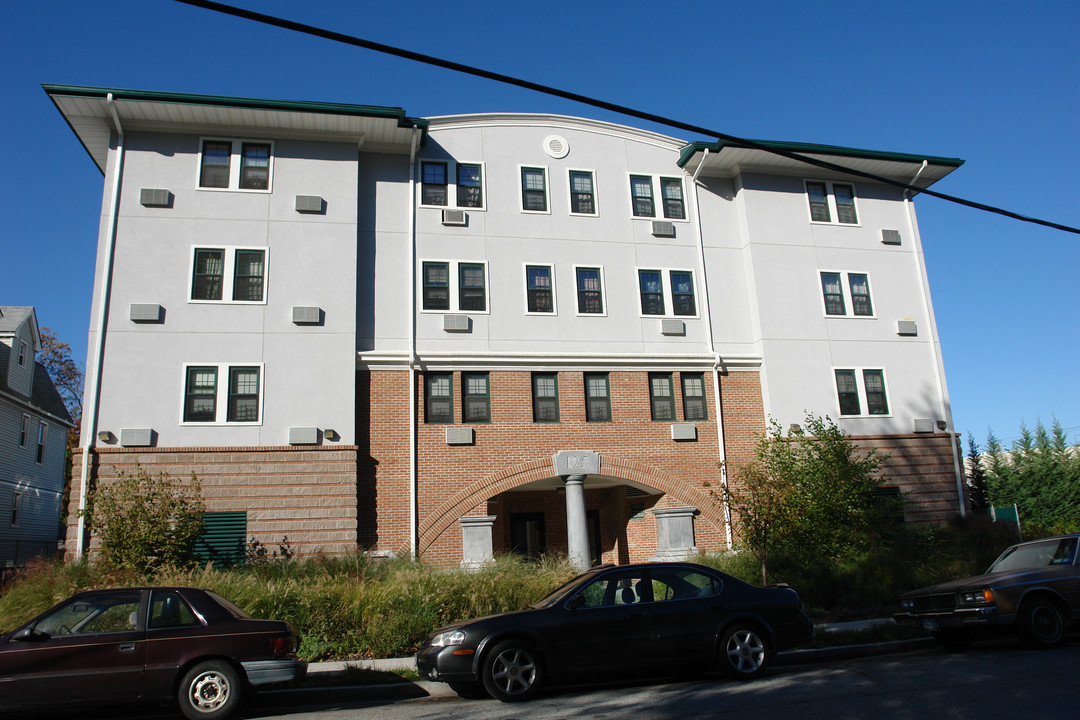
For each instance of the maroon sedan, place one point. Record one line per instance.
(146, 644)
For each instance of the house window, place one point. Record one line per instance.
(24, 351)
(239, 400)
(433, 185)
(235, 273)
(236, 164)
(693, 397)
(582, 195)
(534, 189)
(469, 186)
(597, 398)
(475, 398)
(539, 293)
(472, 294)
(838, 296)
(641, 196)
(671, 192)
(652, 292)
(660, 396)
(589, 291)
(873, 391)
(438, 398)
(436, 286)
(682, 293)
(16, 506)
(545, 397)
(24, 432)
(42, 438)
(243, 394)
(255, 166)
(828, 200)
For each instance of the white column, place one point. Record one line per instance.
(577, 526)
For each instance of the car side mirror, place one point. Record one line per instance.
(575, 602)
(29, 634)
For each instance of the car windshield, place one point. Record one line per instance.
(1030, 556)
(233, 610)
(557, 596)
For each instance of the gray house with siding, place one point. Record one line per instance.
(33, 443)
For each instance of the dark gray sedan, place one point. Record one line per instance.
(648, 617)
(1033, 588)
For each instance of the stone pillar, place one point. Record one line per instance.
(476, 548)
(674, 533)
(577, 525)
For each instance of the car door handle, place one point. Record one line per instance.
(127, 647)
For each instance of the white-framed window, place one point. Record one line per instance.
(831, 202)
(42, 440)
(454, 286)
(222, 394)
(653, 196)
(589, 283)
(228, 275)
(582, 188)
(231, 164)
(452, 184)
(861, 392)
(540, 289)
(846, 294)
(24, 431)
(24, 352)
(666, 292)
(16, 508)
(534, 189)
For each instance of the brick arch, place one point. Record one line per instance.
(500, 481)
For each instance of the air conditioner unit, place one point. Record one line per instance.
(144, 312)
(669, 326)
(154, 197)
(455, 323)
(302, 315)
(890, 237)
(303, 436)
(906, 328)
(309, 204)
(136, 437)
(684, 431)
(459, 436)
(453, 217)
(663, 228)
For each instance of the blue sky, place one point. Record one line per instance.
(994, 83)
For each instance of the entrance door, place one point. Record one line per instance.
(527, 534)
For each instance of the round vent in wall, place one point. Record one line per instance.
(556, 146)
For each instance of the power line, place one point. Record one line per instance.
(602, 104)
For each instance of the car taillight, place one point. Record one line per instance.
(282, 646)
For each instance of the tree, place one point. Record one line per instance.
(145, 520)
(812, 490)
(976, 479)
(67, 377)
(1041, 475)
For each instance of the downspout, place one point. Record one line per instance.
(717, 360)
(91, 425)
(939, 361)
(414, 500)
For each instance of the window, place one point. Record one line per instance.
(597, 398)
(652, 292)
(236, 165)
(24, 432)
(828, 200)
(469, 186)
(838, 296)
(433, 184)
(641, 196)
(660, 396)
(436, 286)
(873, 390)
(42, 438)
(472, 294)
(168, 610)
(539, 293)
(235, 273)
(475, 398)
(693, 397)
(545, 397)
(16, 506)
(582, 195)
(243, 394)
(527, 535)
(589, 291)
(534, 189)
(237, 399)
(438, 398)
(682, 293)
(24, 351)
(671, 191)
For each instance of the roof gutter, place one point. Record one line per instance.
(90, 426)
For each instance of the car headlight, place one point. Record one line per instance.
(977, 597)
(907, 604)
(450, 637)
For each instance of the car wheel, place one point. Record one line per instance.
(1041, 624)
(469, 690)
(210, 690)
(744, 652)
(512, 671)
(953, 639)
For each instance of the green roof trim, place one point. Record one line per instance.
(238, 102)
(813, 149)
